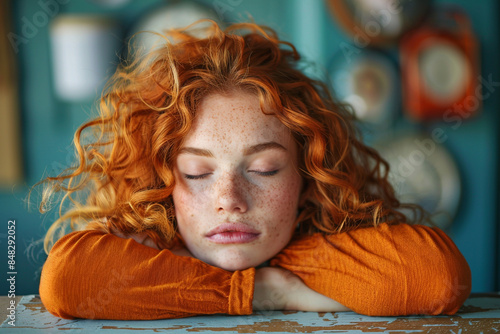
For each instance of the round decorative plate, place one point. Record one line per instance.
(378, 22)
(369, 82)
(422, 171)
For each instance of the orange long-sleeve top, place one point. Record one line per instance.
(388, 270)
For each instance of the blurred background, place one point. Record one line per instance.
(422, 76)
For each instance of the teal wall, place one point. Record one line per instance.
(48, 124)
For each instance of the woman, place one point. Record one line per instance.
(220, 179)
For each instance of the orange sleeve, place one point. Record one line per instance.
(93, 275)
(389, 270)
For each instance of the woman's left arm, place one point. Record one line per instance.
(389, 270)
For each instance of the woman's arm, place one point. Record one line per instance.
(93, 275)
(389, 270)
(144, 239)
(275, 288)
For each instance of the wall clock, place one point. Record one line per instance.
(439, 67)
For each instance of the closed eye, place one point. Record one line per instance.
(196, 177)
(270, 173)
(202, 176)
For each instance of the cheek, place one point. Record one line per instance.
(281, 202)
(184, 200)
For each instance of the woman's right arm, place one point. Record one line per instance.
(93, 275)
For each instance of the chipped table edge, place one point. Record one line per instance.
(33, 302)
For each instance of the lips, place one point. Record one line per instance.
(231, 233)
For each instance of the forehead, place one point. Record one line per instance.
(235, 117)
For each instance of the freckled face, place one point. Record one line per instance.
(237, 185)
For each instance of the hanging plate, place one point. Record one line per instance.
(378, 22)
(422, 171)
(369, 82)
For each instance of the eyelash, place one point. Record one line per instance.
(270, 173)
(195, 177)
(202, 176)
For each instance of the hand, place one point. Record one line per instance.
(280, 289)
(269, 289)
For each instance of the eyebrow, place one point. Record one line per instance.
(248, 151)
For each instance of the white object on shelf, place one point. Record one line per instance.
(84, 51)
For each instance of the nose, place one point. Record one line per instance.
(231, 196)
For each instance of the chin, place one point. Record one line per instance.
(233, 264)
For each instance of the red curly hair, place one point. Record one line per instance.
(124, 177)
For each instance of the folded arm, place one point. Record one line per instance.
(93, 275)
(388, 271)
(275, 288)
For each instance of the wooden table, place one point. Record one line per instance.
(480, 314)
